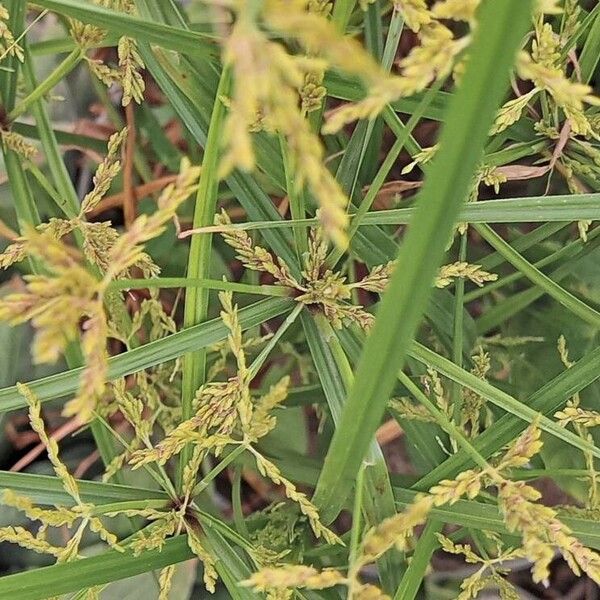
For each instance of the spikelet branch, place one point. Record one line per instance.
(538, 526)
(58, 302)
(59, 516)
(8, 44)
(410, 411)
(130, 64)
(37, 424)
(473, 273)
(472, 402)
(18, 144)
(105, 174)
(165, 582)
(267, 469)
(130, 67)
(210, 574)
(24, 538)
(268, 81)
(582, 420)
(293, 576)
(224, 409)
(127, 251)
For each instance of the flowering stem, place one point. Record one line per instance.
(296, 197)
(560, 294)
(211, 284)
(342, 11)
(457, 342)
(199, 259)
(390, 160)
(115, 507)
(356, 517)
(65, 67)
(236, 503)
(443, 421)
(260, 359)
(203, 484)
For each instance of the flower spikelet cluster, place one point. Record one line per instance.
(130, 64)
(473, 273)
(281, 88)
(581, 419)
(68, 299)
(293, 576)
(545, 66)
(18, 144)
(8, 44)
(98, 237)
(80, 514)
(321, 286)
(472, 401)
(539, 527)
(227, 415)
(433, 59)
(490, 572)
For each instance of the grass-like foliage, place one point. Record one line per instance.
(305, 291)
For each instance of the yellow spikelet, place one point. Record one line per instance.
(262, 420)
(25, 539)
(37, 424)
(109, 168)
(18, 144)
(130, 65)
(8, 44)
(464, 270)
(394, 531)
(457, 10)
(368, 591)
(93, 378)
(210, 574)
(580, 416)
(293, 576)
(568, 95)
(520, 452)
(128, 250)
(415, 13)
(511, 112)
(165, 581)
(268, 469)
(56, 517)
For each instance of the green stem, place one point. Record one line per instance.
(569, 251)
(61, 71)
(457, 341)
(199, 259)
(66, 197)
(129, 505)
(390, 160)
(392, 40)
(211, 284)
(415, 574)
(356, 515)
(576, 306)
(236, 503)
(342, 11)
(336, 375)
(260, 359)
(296, 197)
(524, 242)
(520, 301)
(204, 483)
(443, 421)
(44, 183)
